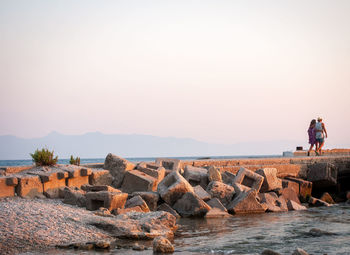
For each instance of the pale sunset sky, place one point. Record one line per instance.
(216, 71)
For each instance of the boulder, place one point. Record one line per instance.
(173, 187)
(166, 208)
(158, 173)
(327, 198)
(190, 205)
(271, 181)
(317, 202)
(294, 206)
(162, 245)
(249, 178)
(135, 180)
(228, 177)
(134, 225)
(215, 203)
(290, 194)
(246, 203)
(137, 201)
(151, 198)
(74, 196)
(322, 175)
(214, 174)
(117, 167)
(100, 177)
(222, 191)
(201, 193)
(196, 176)
(239, 188)
(290, 184)
(106, 199)
(273, 202)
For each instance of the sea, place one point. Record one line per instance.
(26, 162)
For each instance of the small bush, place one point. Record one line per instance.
(74, 161)
(44, 157)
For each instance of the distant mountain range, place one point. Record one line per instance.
(98, 145)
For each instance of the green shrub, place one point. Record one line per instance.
(44, 157)
(74, 161)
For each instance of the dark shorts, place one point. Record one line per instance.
(320, 140)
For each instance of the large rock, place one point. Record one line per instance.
(162, 245)
(134, 225)
(326, 197)
(271, 181)
(100, 177)
(74, 196)
(109, 200)
(173, 187)
(151, 198)
(135, 180)
(290, 194)
(217, 213)
(196, 176)
(153, 170)
(201, 193)
(169, 163)
(137, 201)
(228, 177)
(117, 167)
(249, 178)
(246, 203)
(273, 202)
(93, 188)
(190, 205)
(167, 208)
(293, 206)
(214, 174)
(222, 191)
(318, 202)
(215, 203)
(322, 175)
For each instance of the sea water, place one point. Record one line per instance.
(251, 234)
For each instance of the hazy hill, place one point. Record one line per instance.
(98, 145)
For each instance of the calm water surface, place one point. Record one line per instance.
(251, 234)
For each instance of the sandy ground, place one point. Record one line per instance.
(34, 224)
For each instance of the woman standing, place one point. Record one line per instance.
(312, 136)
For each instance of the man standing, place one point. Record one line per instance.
(320, 135)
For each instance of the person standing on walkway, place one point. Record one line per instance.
(321, 134)
(312, 136)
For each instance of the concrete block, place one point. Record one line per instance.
(214, 174)
(29, 186)
(290, 194)
(117, 167)
(190, 205)
(293, 206)
(273, 202)
(120, 211)
(290, 184)
(158, 173)
(326, 197)
(96, 188)
(249, 178)
(246, 203)
(271, 181)
(77, 181)
(6, 190)
(228, 177)
(137, 201)
(109, 200)
(318, 202)
(322, 175)
(305, 188)
(11, 181)
(217, 213)
(169, 164)
(222, 191)
(201, 193)
(151, 198)
(239, 188)
(196, 176)
(215, 203)
(173, 187)
(167, 208)
(100, 177)
(135, 180)
(85, 172)
(74, 196)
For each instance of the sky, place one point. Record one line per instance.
(216, 71)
